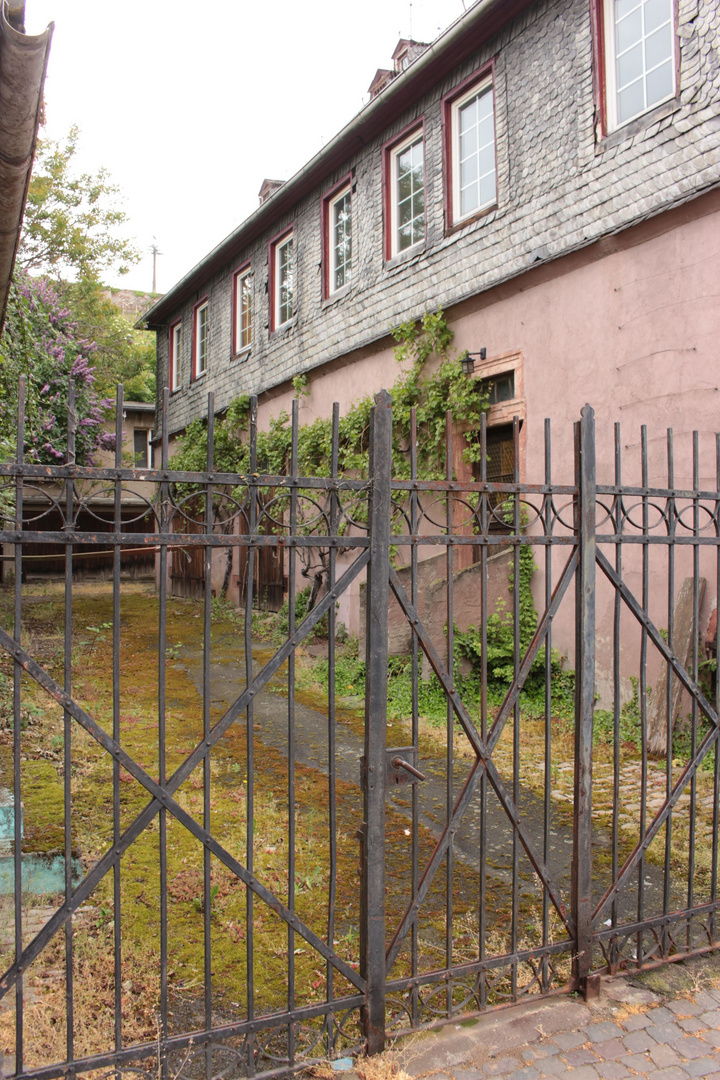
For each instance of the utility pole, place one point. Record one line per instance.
(155, 252)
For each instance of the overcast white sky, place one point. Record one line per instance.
(190, 105)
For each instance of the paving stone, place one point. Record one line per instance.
(661, 1015)
(664, 1032)
(569, 1040)
(714, 992)
(636, 1022)
(537, 1053)
(684, 1007)
(467, 1074)
(611, 1048)
(599, 1032)
(582, 1056)
(638, 1063)
(498, 1066)
(704, 1000)
(612, 1070)
(528, 1073)
(690, 1046)
(692, 1024)
(554, 1066)
(637, 1041)
(664, 1055)
(584, 1072)
(712, 1037)
(711, 1018)
(701, 1066)
(675, 1072)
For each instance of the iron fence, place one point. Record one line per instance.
(357, 879)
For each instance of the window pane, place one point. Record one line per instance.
(658, 47)
(630, 66)
(341, 242)
(475, 154)
(660, 83)
(285, 280)
(657, 12)
(410, 199)
(245, 291)
(624, 7)
(140, 448)
(630, 101)
(628, 31)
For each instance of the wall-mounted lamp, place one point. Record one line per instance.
(467, 362)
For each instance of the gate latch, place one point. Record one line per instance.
(402, 766)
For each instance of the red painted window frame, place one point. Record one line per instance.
(387, 150)
(242, 271)
(345, 182)
(487, 71)
(172, 382)
(599, 59)
(273, 245)
(196, 308)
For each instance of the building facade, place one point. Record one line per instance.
(548, 173)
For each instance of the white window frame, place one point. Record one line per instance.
(345, 192)
(284, 242)
(480, 88)
(175, 349)
(611, 88)
(242, 276)
(200, 342)
(417, 136)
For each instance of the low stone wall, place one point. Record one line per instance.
(432, 607)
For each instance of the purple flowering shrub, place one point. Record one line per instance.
(41, 341)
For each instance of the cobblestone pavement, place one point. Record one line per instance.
(664, 1025)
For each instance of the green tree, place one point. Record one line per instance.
(73, 226)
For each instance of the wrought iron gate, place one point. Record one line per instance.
(495, 876)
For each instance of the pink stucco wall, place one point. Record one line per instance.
(630, 325)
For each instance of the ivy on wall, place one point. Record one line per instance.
(430, 394)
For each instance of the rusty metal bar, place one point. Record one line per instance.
(372, 924)
(581, 886)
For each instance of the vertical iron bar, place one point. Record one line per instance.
(117, 912)
(516, 708)
(250, 749)
(482, 898)
(716, 751)
(643, 691)
(162, 660)
(17, 749)
(67, 726)
(668, 687)
(207, 775)
(581, 892)
(372, 922)
(332, 804)
(693, 699)
(450, 713)
(617, 611)
(548, 705)
(292, 585)
(415, 732)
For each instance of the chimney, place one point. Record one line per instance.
(268, 189)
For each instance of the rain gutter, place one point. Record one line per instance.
(23, 64)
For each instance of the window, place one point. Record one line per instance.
(200, 339)
(140, 448)
(338, 243)
(470, 123)
(175, 345)
(405, 191)
(282, 281)
(639, 38)
(242, 303)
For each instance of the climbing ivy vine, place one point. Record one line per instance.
(430, 394)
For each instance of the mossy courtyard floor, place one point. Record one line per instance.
(290, 807)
